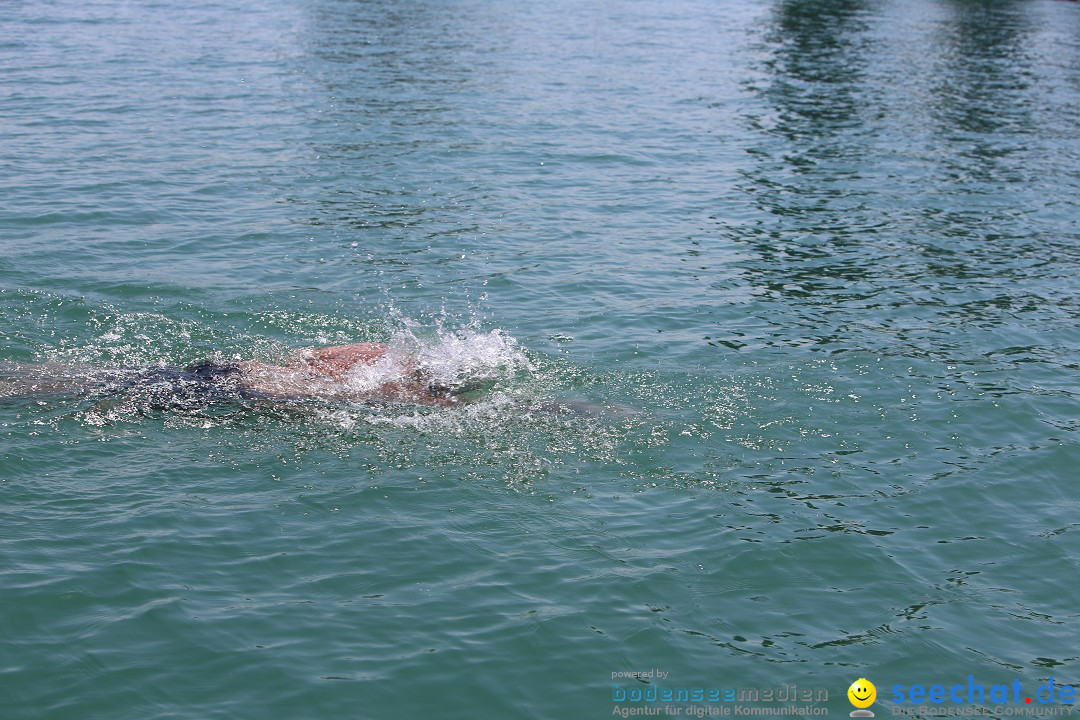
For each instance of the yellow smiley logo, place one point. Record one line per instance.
(862, 693)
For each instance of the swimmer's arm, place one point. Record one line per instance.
(335, 360)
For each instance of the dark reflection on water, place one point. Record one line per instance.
(818, 65)
(811, 166)
(913, 179)
(984, 66)
(982, 97)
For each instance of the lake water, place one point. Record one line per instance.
(809, 265)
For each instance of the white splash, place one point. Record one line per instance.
(456, 359)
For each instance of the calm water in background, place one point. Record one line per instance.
(819, 256)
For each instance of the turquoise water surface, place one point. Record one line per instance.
(804, 270)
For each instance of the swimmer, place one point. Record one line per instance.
(362, 372)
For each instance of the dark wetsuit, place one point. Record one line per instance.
(202, 383)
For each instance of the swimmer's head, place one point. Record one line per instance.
(440, 388)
